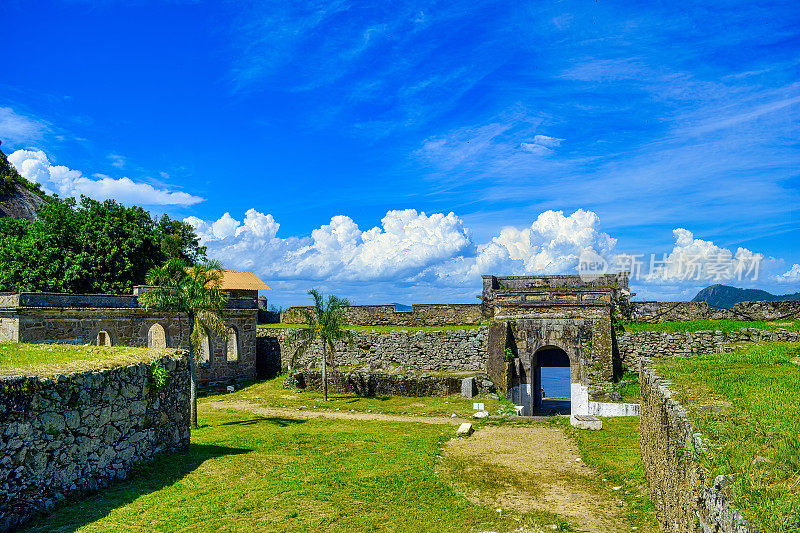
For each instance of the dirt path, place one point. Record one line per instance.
(251, 407)
(531, 468)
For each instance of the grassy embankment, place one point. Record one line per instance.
(754, 432)
(710, 325)
(49, 359)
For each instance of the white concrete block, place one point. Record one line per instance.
(464, 430)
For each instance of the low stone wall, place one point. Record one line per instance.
(450, 351)
(685, 501)
(78, 433)
(386, 315)
(385, 384)
(647, 311)
(633, 346)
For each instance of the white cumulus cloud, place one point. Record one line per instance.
(432, 256)
(407, 247)
(405, 242)
(35, 166)
(790, 276)
(694, 259)
(552, 244)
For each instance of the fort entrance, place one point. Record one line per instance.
(549, 322)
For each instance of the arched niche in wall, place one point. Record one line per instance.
(232, 349)
(205, 349)
(156, 337)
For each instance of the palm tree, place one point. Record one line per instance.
(326, 322)
(195, 291)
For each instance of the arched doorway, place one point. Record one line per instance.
(156, 337)
(103, 338)
(550, 388)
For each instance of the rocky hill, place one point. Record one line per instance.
(727, 296)
(19, 198)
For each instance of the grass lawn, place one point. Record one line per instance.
(755, 433)
(250, 473)
(271, 394)
(384, 329)
(49, 359)
(710, 325)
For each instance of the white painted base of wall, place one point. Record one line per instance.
(613, 409)
(582, 406)
(579, 402)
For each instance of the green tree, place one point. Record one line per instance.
(326, 322)
(195, 291)
(91, 246)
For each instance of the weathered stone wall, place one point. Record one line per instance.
(385, 315)
(685, 501)
(458, 350)
(498, 366)
(77, 433)
(385, 384)
(679, 311)
(130, 326)
(636, 345)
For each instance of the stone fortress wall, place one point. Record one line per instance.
(648, 311)
(678, 484)
(76, 433)
(118, 320)
(633, 347)
(445, 351)
(387, 315)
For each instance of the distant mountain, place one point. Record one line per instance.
(19, 198)
(727, 296)
(400, 307)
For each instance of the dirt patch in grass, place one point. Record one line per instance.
(529, 468)
(305, 414)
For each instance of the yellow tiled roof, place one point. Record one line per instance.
(242, 280)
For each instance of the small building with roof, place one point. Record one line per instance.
(106, 319)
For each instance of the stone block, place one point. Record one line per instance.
(586, 422)
(464, 430)
(469, 387)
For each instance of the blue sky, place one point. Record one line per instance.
(318, 126)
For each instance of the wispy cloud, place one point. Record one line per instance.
(20, 129)
(117, 160)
